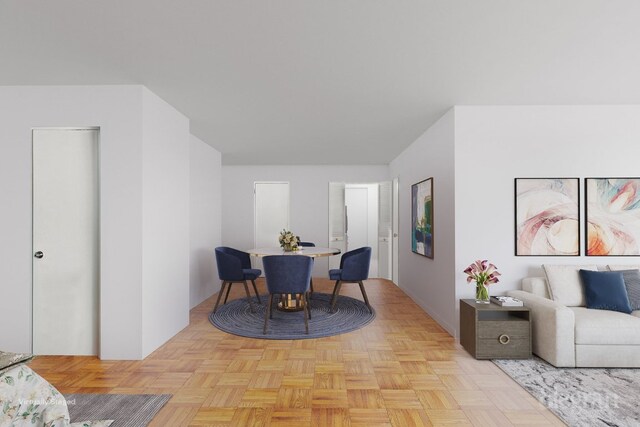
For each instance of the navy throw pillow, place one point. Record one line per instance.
(632, 283)
(605, 290)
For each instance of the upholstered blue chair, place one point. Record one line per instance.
(308, 245)
(288, 275)
(234, 266)
(354, 268)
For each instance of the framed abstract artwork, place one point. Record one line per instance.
(547, 212)
(612, 216)
(422, 218)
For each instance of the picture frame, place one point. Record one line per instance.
(422, 224)
(547, 216)
(612, 216)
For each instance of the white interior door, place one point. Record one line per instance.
(361, 205)
(395, 229)
(356, 203)
(271, 213)
(65, 242)
(337, 221)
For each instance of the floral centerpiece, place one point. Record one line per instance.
(288, 241)
(484, 274)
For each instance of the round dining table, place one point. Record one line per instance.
(290, 302)
(311, 251)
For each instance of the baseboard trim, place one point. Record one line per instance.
(447, 327)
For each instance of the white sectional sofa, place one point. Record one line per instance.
(568, 335)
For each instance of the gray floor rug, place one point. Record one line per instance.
(127, 410)
(580, 396)
(236, 318)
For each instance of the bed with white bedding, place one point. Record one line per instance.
(27, 399)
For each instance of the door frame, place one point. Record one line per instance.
(395, 230)
(99, 222)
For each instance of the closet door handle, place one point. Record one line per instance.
(39, 254)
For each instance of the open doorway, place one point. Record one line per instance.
(360, 215)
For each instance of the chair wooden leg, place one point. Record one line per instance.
(311, 287)
(306, 318)
(336, 292)
(307, 299)
(256, 290)
(246, 289)
(228, 289)
(220, 295)
(364, 294)
(267, 314)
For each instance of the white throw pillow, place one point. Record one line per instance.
(623, 267)
(565, 286)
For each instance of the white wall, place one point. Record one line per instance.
(309, 200)
(165, 222)
(205, 219)
(116, 110)
(144, 211)
(494, 145)
(430, 283)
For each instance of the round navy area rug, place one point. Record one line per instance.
(236, 318)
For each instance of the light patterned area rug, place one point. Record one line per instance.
(127, 410)
(580, 396)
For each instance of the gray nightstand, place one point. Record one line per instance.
(489, 331)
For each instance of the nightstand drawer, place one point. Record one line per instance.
(493, 329)
(515, 348)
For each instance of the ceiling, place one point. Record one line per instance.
(328, 81)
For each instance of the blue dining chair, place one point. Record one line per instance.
(308, 245)
(234, 266)
(354, 268)
(288, 275)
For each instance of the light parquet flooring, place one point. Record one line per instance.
(401, 370)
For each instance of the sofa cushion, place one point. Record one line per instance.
(603, 327)
(564, 283)
(537, 286)
(619, 267)
(636, 313)
(631, 282)
(604, 290)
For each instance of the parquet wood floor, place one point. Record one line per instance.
(402, 370)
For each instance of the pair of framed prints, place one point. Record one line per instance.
(547, 216)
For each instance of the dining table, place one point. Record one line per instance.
(291, 302)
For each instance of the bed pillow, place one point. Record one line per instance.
(8, 359)
(565, 286)
(605, 290)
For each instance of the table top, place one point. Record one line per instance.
(311, 251)
(493, 307)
